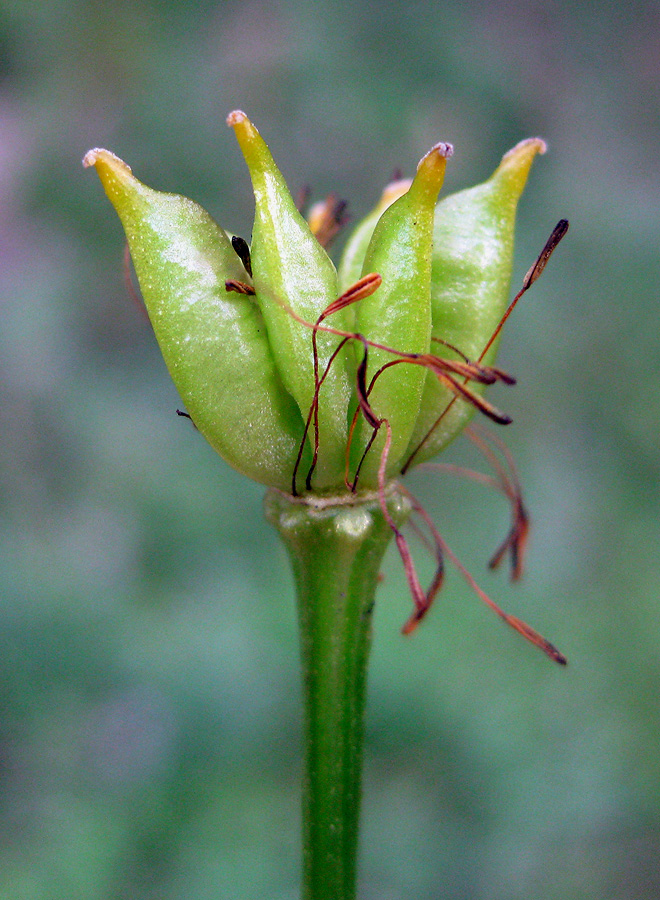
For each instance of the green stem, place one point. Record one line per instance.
(336, 547)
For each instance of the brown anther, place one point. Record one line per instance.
(365, 287)
(242, 250)
(501, 375)
(460, 389)
(532, 275)
(536, 270)
(239, 287)
(531, 635)
(185, 415)
(327, 218)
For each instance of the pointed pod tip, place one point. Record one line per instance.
(235, 117)
(443, 149)
(249, 140)
(522, 154)
(431, 169)
(111, 161)
(527, 147)
(243, 127)
(514, 168)
(89, 159)
(438, 154)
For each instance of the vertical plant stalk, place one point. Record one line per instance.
(336, 546)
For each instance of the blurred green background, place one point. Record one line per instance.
(149, 732)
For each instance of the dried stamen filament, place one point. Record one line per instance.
(529, 633)
(507, 483)
(532, 275)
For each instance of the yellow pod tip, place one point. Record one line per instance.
(249, 139)
(431, 170)
(116, 177)
(437, 155)
(104, 158)
(516, 163)
(236, 117)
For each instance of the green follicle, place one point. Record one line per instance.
(293, 274)
(472, 259)
(213, 342)
(394, 320)
(399, 315)
(352, 260)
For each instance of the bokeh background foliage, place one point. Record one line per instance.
(149, 733)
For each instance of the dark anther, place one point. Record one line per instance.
(239, 287)
(185, 415)
(558, 233)
(327, 219)
(242, 250)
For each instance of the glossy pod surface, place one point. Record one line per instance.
(214, 342)
(244, 363)
(473, 241)
(292, 272)
(398, 315)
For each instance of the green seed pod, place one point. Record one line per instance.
(214, 342)
(352, 259)
(292, 272)
(398, 314)
(472, 259)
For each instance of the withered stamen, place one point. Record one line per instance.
(536, 270)
(507, 483)
(358, 291)
(327, 218)
(438, 577)
(239, 287)
(516, 540)
(532, 275)
(242, 250)
(529, 633)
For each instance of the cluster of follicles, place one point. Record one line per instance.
(458, 374)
